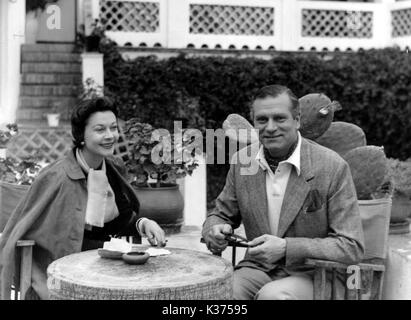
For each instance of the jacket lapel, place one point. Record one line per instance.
(257, 193)
(296, 191)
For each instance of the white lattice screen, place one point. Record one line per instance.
(130, 16)
(238, 20)
(401, 22)
(337, 23)
(51, 143)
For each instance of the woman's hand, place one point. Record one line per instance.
(154, 233)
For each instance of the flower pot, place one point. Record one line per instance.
(401, 209)
(136, 257)
(10, 195)
(53, 119)
(165, 205)
(375, 216)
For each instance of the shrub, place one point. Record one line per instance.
(373, 87)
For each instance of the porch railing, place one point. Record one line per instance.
(258, 24)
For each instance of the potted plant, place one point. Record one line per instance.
(15, 179)
(368, 166)
(156, 161)
(90, 90)
(5, 137)
(33, 11)
(399, 173)
(53, 117)
(91, 42)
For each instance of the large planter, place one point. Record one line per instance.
(401, 209)
(10, 195)
(165, 205)
(375, 217)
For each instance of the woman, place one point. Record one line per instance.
(77, 202)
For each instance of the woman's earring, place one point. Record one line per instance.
(82, 143)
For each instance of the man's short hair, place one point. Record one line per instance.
(274, 91)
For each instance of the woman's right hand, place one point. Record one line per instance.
(155, 234)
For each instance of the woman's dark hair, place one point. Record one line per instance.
(82, 113)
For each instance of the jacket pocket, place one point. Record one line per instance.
(313, 202)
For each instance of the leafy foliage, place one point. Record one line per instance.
(32, 5)
(158, 154)
(90, 90)
(21, 172)
(400, 174)
(6, 135)
(373, 87)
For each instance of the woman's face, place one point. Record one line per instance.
(100, 135)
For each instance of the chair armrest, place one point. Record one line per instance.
(25, 243)
(326, 264)
(23, 267)
(338, 265)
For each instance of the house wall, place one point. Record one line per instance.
(12, 22)
(3, 33)
(286, 25)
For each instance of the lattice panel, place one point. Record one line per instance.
(337, 23)
(130, 16)
(401, 22)
(51, 143)
(121, 149)
(238, 20)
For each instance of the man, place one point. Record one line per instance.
(300, 204)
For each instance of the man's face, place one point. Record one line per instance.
(276, 124)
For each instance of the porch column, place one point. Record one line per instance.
(12, 26)
(3, 61)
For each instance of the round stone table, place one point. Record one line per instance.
(184, 274)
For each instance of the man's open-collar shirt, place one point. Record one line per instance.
(276, 182)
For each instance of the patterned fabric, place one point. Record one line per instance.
(101, 202)
(273, 162)
(332, 231)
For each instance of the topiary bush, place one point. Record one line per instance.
(373, 86)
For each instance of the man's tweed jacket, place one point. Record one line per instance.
(319, 216)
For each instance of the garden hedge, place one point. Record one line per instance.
(373, 86)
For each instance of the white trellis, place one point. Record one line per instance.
(259, 24)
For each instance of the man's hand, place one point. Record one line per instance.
(154, 233)
(215, 239)
(267, 248)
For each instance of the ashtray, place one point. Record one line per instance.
(136, 257)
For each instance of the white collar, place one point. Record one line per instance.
(294, 159)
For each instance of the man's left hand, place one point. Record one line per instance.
(267, 248)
